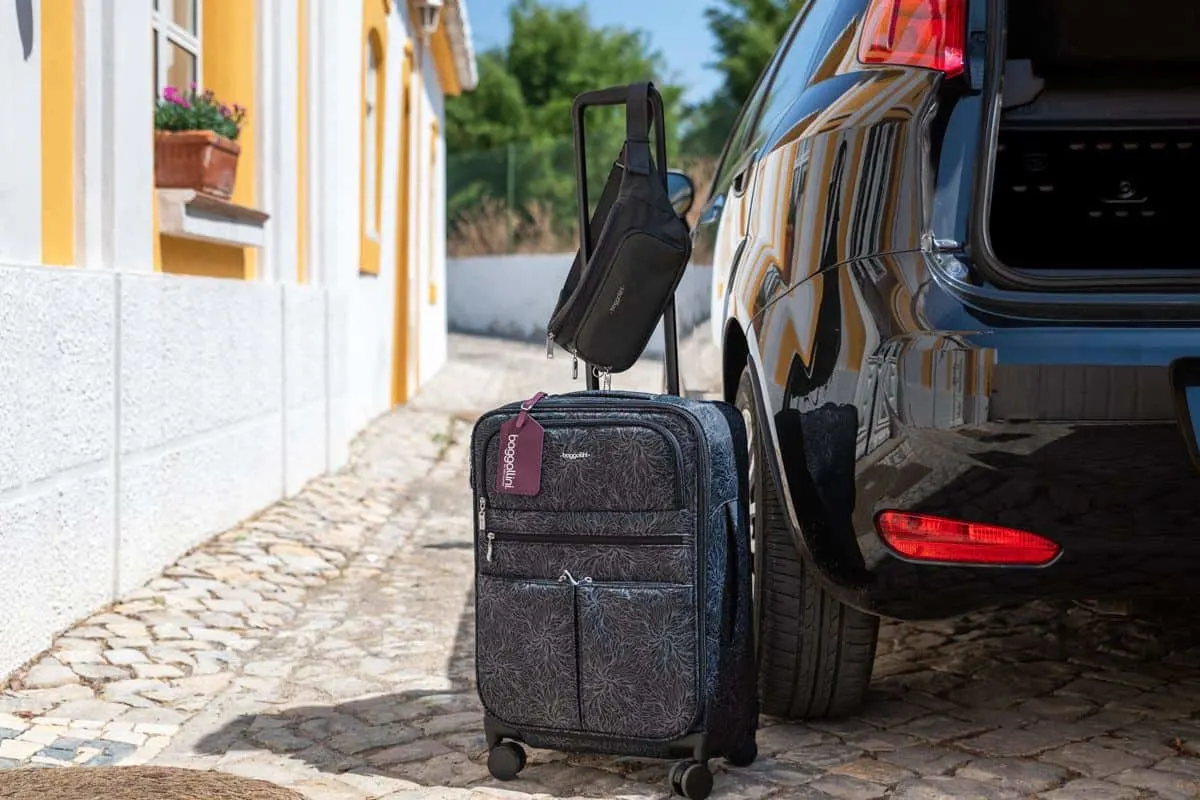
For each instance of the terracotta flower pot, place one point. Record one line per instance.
(200, 160)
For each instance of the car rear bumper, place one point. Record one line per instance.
(1098, 457)
(1121, 501)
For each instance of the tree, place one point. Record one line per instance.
(747, 34)
(517, 122)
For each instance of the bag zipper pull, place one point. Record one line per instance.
(482, 513)
(491, 537)
(550, 345)
(567, 576)
(574, 365)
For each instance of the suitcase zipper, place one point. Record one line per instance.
(582, 539)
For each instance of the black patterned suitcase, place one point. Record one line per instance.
(613, 595)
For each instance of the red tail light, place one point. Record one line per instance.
(915, 33)
(925, 538)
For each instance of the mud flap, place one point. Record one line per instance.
(1185, 379)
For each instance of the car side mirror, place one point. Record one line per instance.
(681, 190)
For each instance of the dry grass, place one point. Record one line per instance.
(134, 783)
(484, 230)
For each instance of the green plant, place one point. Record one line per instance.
(197, 111)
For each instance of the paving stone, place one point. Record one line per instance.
(96, 710)
(122, 657)
(374, 738)
(1090, 789)
(1167, 785)
(128, 630)
(848, 788)
(940, 788)
(49, 674)
(873, 770)
(18, 750)
(1038, 737)
(1184, 766)
(1093, 760)
(157, 671)
(146, 719)
(939, 728)
(421, 750)
(1026, 777)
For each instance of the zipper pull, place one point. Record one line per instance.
(491, 537)
(567, 576)
(550, 345)
(482, 513)
(574, 365)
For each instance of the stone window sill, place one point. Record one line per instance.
(187, 214)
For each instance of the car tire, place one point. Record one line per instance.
(815, 653)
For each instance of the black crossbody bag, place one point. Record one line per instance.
(632, 252)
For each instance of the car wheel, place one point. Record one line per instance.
(815, 653)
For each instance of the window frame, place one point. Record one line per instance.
(167, 32)
(374, 40)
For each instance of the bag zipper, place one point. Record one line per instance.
(629, 540)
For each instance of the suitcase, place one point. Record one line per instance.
(613, 577)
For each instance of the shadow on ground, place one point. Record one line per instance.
(1026, 685)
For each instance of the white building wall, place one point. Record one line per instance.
(141, 413)
(21, 137)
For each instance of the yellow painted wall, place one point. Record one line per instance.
(57, 41)
(228, 36)
(189, 257)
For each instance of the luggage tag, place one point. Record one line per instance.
(521, 439)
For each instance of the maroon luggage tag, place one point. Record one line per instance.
(520, 467)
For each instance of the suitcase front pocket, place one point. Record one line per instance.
(600, 466)
(638, 659)
(526, 656)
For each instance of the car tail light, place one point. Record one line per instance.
(915, 33)
(921, 537)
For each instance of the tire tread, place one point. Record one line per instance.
(816, 653)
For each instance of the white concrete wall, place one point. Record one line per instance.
(20, 136)
(57, 434)
(513, 296)
(141, 415)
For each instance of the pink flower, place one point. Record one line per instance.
(170, 94)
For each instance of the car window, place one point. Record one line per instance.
(739, 139)
(823, 22)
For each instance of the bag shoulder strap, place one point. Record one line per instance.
(637, 128)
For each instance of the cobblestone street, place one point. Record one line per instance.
(327, 646)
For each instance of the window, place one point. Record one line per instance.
(374, 43)
(371, 148)
(739, 138)
(823, 25)
(176, 44)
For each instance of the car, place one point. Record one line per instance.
(957, 296)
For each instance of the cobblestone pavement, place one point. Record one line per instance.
(327, 646)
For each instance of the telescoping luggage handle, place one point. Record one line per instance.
(638, 98)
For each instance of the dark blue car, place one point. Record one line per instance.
(957, 291)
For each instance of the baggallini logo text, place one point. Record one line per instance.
(509, 461)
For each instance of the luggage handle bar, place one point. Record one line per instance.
(614, 96)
